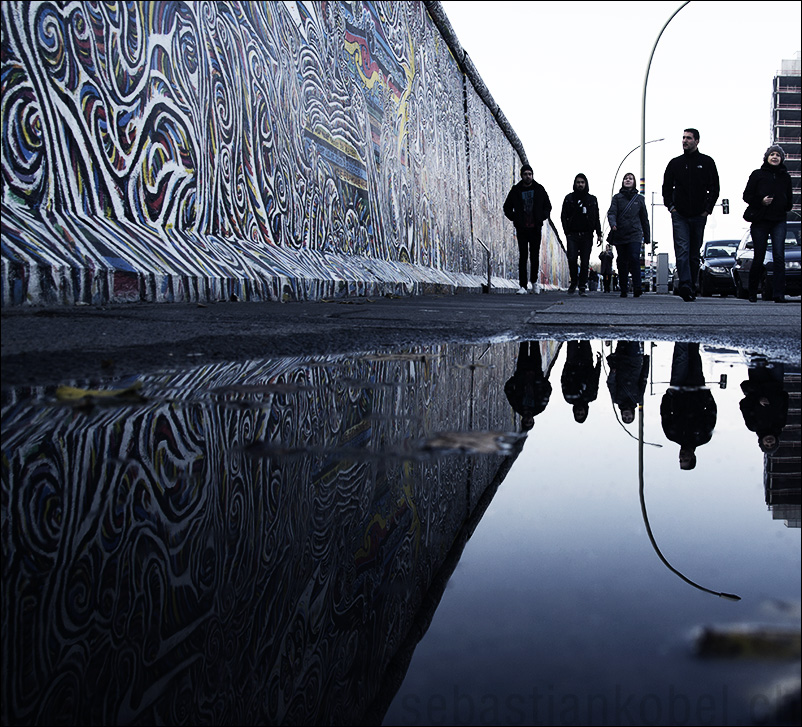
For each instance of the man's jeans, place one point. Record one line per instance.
(579, 245)
(528, 251)
(761, 231)
(688, 235)
(686, 366)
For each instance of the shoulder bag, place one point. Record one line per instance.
(753, 213)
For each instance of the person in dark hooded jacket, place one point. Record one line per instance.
(769, 196)
(580, 219)
(580, 378)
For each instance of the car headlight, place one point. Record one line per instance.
(793, 265)
(718, 269)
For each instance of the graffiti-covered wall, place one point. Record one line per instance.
(173, 151)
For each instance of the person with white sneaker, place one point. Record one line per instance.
(580, 219)
(528, 206)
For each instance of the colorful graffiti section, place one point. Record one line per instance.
(248, 543)
(174, 151)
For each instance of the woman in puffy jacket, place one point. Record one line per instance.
(769, 196)
(629, 222)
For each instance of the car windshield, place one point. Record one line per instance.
(724, 248)
(791, 238)
(721, 251)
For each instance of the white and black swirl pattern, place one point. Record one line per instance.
(216, 141)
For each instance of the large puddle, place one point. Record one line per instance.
(500, 534)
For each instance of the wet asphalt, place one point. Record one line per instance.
(45, 346)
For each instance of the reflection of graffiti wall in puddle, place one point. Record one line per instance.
(263, 151)
(245, 543)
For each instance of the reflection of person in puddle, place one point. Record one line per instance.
(765, 404)
(688, 411)
(629, 369)
(527, 390)
(580, 378)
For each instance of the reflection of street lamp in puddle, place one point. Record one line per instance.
(728, 596)
(641, 443)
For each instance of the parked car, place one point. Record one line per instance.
(646, 274)
(717, 259)
(793, 265)
(715, 274)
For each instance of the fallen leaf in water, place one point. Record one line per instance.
(72, 393)
(745, 641)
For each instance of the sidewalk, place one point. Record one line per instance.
(42, 346)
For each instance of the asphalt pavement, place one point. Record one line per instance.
(44, 346)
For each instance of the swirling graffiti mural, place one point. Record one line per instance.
(239, 543)
(258, 150)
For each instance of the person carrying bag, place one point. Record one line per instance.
(629, 227)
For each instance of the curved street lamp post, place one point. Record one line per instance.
(643, 103)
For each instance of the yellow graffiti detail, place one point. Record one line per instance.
(409, 70)
(356, 52)
(375, 78)
(71, 393)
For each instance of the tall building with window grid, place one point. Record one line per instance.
(787, 121)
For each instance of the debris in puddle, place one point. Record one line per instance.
(748, 641)
(474, 442)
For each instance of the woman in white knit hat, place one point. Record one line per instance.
(769, 196)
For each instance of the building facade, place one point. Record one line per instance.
(786, 120)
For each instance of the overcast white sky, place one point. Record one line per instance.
(569, 78)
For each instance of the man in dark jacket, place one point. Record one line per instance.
(580, 378)
(688, 411)
(690, 192)
(528, 206)
(580, 219)
(528, 390)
